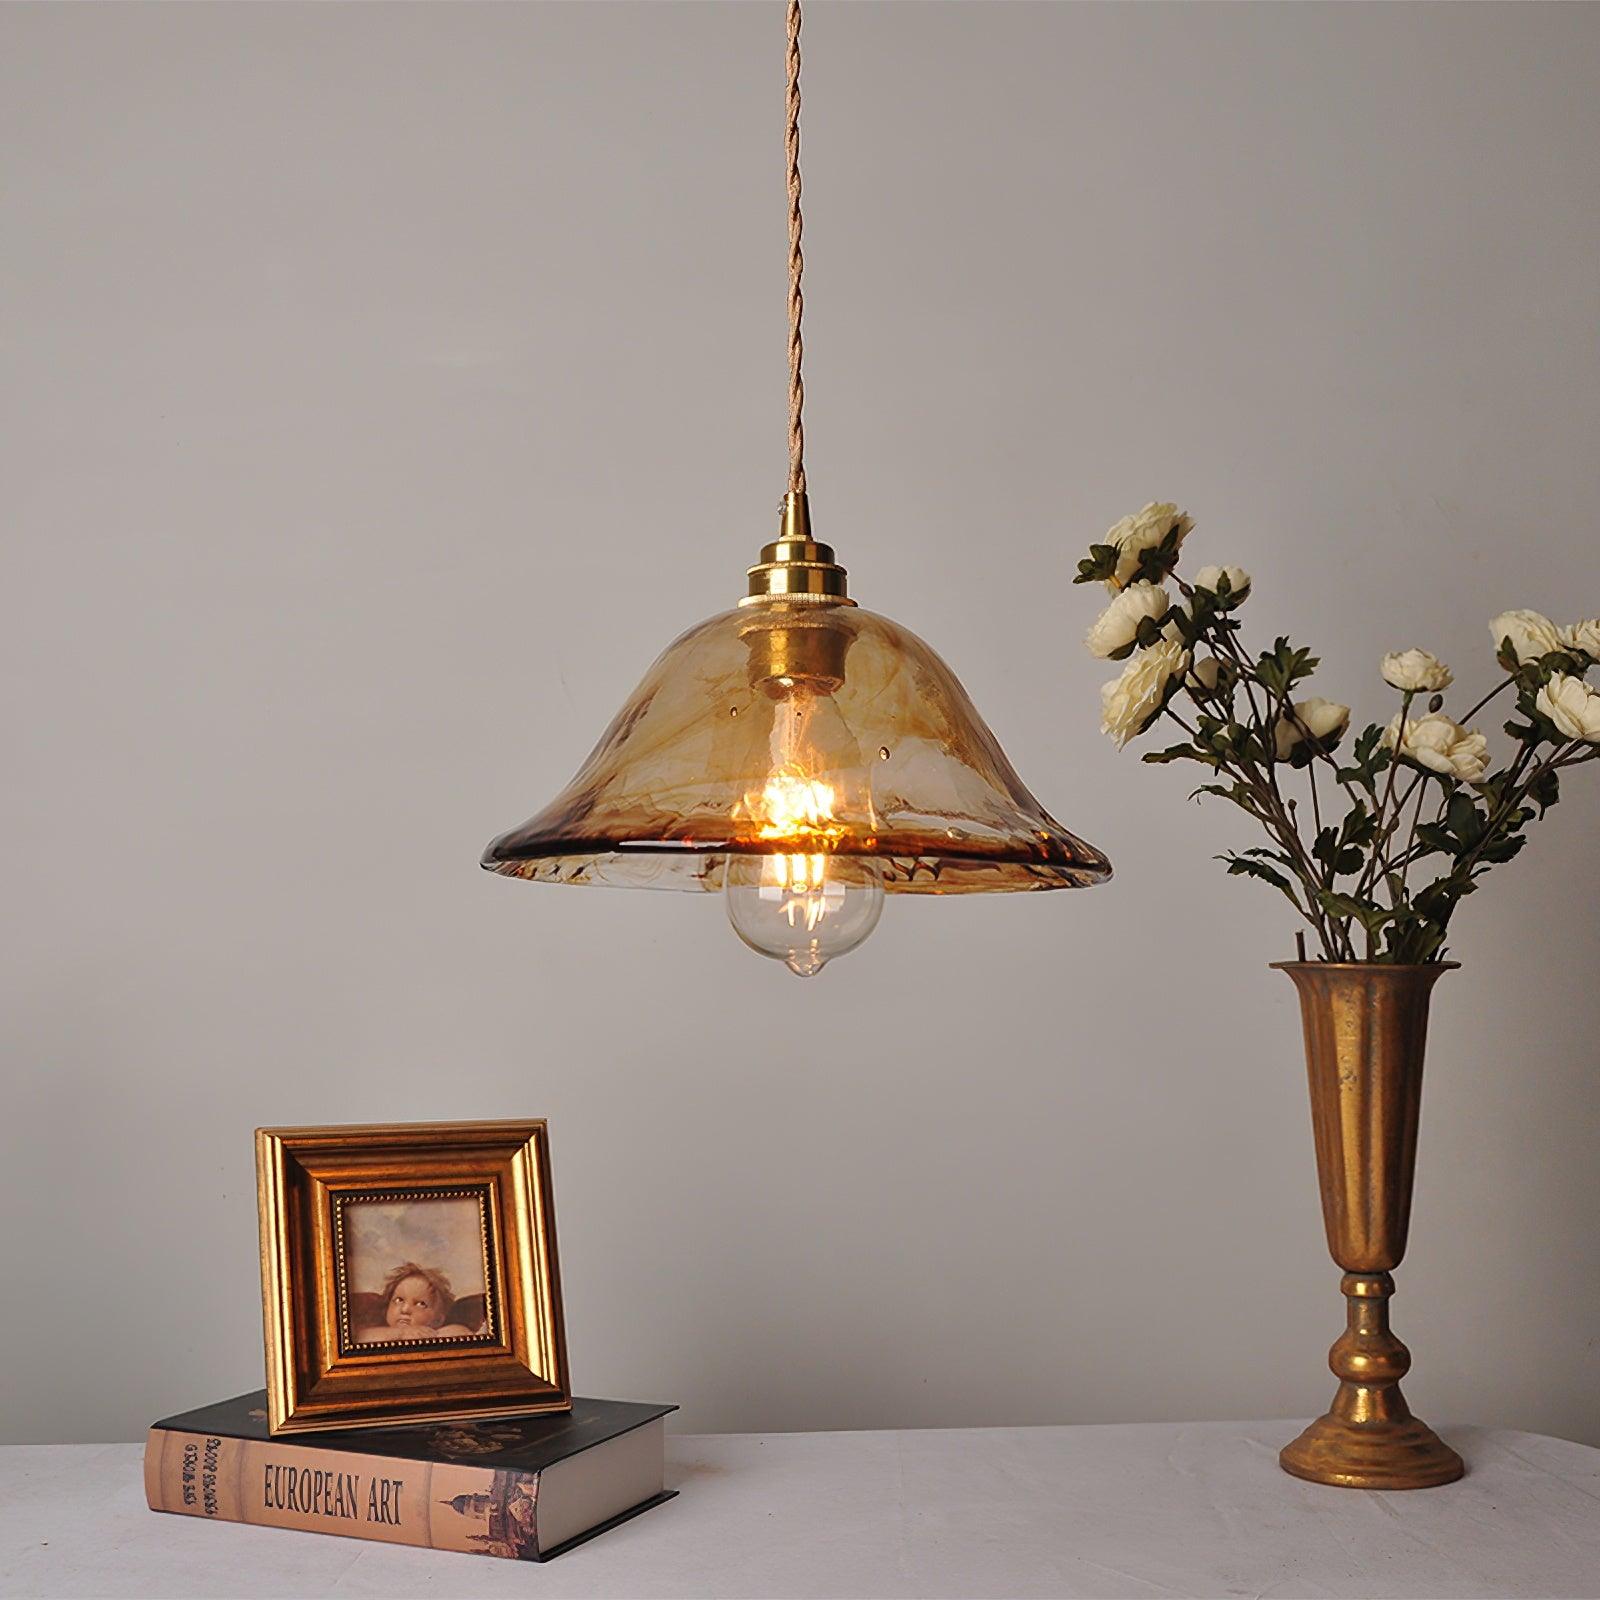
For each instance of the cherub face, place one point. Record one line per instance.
(414, 1305)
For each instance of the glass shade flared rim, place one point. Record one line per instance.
(650, 809)
(949, 870)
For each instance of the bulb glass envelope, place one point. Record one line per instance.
(793, 728)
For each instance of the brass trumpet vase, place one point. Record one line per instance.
(1365, 1028)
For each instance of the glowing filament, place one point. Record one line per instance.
(800, 888)
(793, 806)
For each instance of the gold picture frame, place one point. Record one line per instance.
(362, 1326)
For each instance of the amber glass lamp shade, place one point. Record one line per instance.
(787, 745)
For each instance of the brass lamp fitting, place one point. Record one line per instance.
(793, 588)
(794, 566)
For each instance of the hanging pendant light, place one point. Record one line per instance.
(797, 753)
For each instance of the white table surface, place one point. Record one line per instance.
(1139, 1509)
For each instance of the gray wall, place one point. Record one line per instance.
(358, 360)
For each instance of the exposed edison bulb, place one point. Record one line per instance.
(803, 910)
(806, 905)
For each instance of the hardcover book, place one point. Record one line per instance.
(526, 1488)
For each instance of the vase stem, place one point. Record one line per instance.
(1367, 1359)
(1368, 1439)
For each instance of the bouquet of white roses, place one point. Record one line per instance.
(1403, 824)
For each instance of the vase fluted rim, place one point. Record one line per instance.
(1364, 966)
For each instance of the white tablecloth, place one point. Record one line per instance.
(1142, 1509)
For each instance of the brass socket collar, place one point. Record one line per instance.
(794, 566)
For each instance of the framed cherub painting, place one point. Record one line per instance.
(409, 1273)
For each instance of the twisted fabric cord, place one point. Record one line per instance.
(791, 144)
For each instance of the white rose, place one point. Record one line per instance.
(1324, 720)
(1416, 672)
(1116, 629)
(1140, 532)
(1572, 705)
(1129, 703)
(1204, 675)
(1583, 638)
(1238, 581)
(1440, 745)
(1531, 635)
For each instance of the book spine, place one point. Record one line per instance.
(276, 1484)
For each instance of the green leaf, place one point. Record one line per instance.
(1245, 866)
(1280, 668)
(1367, 760)
(1178, 752)
(1236, 792)
(1438, 900)
(1503, 849)
(1562, 661)
(1413, 940)
(1101, 564)
(1370, 916)
(1238, 865)
(1545, 790)
(1187, 628)
(1148, 631)
(1157, 562)
(1250, 746)
(1367, 744)
(1268, 853)
(1359, 827)
(1464, 819)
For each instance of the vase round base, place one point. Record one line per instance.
(1368, 1439)
(1371, 1455)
